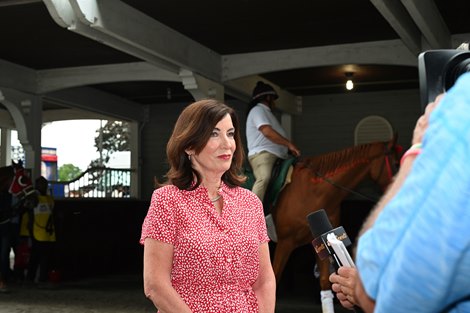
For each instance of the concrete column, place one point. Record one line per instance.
(200, 87)
(26, 111)
(5, 147)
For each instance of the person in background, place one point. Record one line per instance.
(5, 238)
(204, 236)
(39, 223)
(267, 141)
(414, 249)
(17, 197)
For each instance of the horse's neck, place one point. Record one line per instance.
(351, 178)
(351, 169)
(346, 180)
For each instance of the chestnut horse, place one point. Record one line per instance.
(322, 182)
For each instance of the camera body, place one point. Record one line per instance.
(439, 70)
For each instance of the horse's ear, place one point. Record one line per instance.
(18, 164)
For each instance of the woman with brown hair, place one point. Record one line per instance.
(205, 242)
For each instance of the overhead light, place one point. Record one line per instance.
(349, 82)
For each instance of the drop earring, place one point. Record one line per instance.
(189, 157)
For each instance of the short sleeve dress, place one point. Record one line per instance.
(216, 256)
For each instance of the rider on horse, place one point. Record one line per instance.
(267, 142)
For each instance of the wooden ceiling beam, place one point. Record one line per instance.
(427, 17)
(397, 16)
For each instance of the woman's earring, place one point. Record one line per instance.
(189, 157)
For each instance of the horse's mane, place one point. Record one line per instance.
(333, 162)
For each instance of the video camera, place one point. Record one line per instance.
(439, 70)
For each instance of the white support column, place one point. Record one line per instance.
(200, 87)
(26, 110)
(5, 147)
(33, 151)
(135, 157)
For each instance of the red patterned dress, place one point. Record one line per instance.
(216, 257)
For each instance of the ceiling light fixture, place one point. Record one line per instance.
(349, 82)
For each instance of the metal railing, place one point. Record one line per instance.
(95, 182)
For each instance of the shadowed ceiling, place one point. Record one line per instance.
(32, 39)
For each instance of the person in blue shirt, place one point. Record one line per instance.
(413, 253)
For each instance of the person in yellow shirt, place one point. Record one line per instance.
(40, 225)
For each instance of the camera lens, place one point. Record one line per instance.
(456, 66)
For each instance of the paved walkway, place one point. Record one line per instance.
(121, 294)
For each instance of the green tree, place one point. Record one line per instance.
(112, 137)
(68, 172)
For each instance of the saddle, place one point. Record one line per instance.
(280, 176)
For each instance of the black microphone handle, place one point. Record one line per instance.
(320, 227)
(357, 309)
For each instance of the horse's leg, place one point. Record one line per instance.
(326, 294)
(281, 254)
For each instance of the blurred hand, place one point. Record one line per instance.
(293, 149)
(349, 289)
(344, 284)
(423, 121)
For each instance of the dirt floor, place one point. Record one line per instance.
(122, 294)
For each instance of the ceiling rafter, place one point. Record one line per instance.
(397, 16)
(427, 17)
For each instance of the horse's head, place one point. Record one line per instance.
(387, 165)
(21, 186)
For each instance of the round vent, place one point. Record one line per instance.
(372, 128)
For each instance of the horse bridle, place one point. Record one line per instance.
(27, 189)
(391, 166)
(392, 169)
(25, 192)
(22, 195)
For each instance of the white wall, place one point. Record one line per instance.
(327, 122)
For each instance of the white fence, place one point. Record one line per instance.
(95, 182)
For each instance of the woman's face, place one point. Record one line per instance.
(216, 157)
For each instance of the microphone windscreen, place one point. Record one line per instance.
(319, 223)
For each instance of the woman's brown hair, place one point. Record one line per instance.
(192, 132)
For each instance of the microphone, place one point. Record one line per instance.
(331, 243)
(328, 242)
